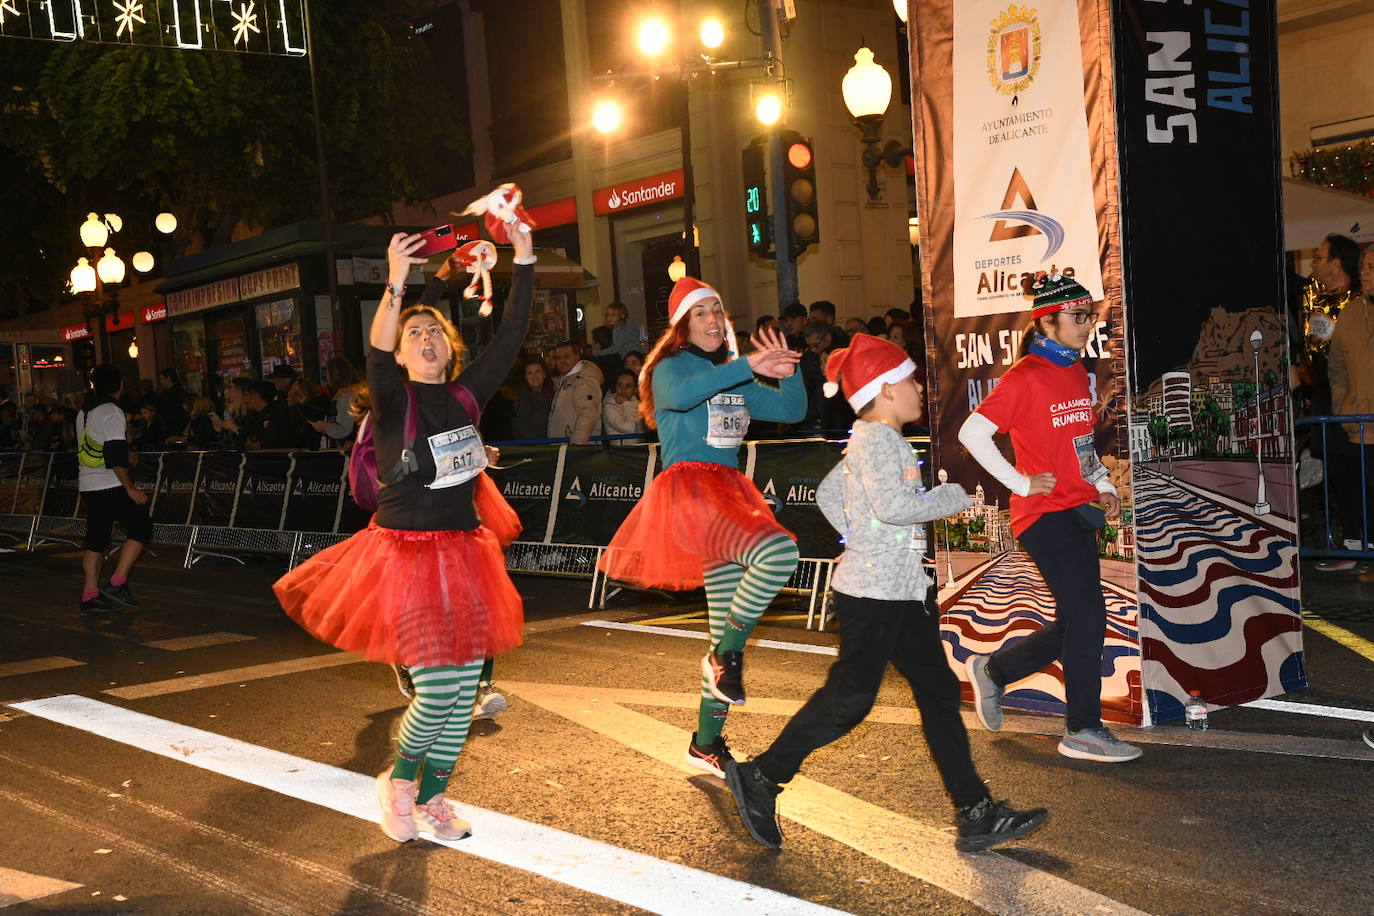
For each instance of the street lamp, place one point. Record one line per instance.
(166, 223)
(677, 270)
(1261, 502)
(900, 7)
(110, 268)
(712, 33)
(83, 276)
(606, 116)
(943, 476)
(94, 232)
(654, 36)
(867, 90)
(768, 109)
(142, 261)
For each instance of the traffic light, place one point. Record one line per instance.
(756, 224)
(799, 172)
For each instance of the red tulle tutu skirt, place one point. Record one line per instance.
(425, 598)
(494, 512)
(694, 516)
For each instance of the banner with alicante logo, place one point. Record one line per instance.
(1023, 185)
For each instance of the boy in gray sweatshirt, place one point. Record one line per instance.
(875, 498)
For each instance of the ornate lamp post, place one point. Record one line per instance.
(867, 90)
(1261, 502)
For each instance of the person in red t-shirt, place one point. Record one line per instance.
(1060, 497)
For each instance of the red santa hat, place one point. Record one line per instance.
(478, 258)
(863, 367)
(690, 291)
(503, 212)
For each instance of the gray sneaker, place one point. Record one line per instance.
(987, 696)
(489, 704)
(1097, 744)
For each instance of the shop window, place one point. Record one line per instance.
(188, 354)
(279, 335)
(232, 359)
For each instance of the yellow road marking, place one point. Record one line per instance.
(1357, 644)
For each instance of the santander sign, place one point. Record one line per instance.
(639, 193)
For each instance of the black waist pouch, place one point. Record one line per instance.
(1091, 516)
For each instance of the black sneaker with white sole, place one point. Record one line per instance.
(724, 673)
(756, 799)
(991, 823)
(709, 757)
(119, 594)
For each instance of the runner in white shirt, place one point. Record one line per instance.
(108, 493)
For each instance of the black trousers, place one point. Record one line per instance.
(1066, 555)
(1351, 466)
(104, 508)
(872, 634)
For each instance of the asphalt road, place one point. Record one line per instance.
(203, 755)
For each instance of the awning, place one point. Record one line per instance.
(1312, 212)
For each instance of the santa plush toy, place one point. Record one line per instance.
(478, 258)
(503, 212)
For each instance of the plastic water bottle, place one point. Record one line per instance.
(1195, 713)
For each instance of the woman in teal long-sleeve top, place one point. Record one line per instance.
(702, 522)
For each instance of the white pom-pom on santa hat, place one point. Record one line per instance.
(478, 258)
(864, 367)
(503, 212)
(690, 291)
(830, 389)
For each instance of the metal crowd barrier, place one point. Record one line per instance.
(1327, 438)
(232, 505)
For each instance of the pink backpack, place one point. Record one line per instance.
(363, 479)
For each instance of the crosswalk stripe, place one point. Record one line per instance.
(994, 882)
(35, 665)
(232, 676)
(182, 643)
(21, 887)
(693, 634)
(598, 868)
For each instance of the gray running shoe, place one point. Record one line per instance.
(1097, 744)
(119, 594)
(987, 696)
(488, 705)
(403, 681)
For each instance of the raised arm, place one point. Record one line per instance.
(399, 260)
(486, 373)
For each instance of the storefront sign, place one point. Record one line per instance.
(558, 213)
(643, 192)
(272, 280)
(154, 313)
(200, 298)
(124, 321)
(75, 332)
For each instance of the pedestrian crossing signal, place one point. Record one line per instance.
(757, 233)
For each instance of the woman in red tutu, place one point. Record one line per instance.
(702, 522)
(425, 584)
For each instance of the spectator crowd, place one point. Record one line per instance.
(570, 392)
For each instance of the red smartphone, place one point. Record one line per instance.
(437, 241)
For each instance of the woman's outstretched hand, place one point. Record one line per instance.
(772, 358)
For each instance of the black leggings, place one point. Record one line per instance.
(872, 634)
(1066, 555)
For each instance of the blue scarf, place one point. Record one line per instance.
(1056, 353)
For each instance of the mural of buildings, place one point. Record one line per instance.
(1265, 430)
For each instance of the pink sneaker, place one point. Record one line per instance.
(397, 800)
(437, 818)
